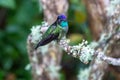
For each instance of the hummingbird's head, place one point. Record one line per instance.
(62, 20)
(61, 17)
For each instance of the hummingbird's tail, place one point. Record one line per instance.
(41, 43)
(47, 40)
(37, 46)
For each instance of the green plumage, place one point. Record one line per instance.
(52, 30)
(55, 32)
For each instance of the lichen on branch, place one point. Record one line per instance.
(83, 51)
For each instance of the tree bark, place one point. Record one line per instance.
(96, 16)
(101, 24)
(52, 8)
(42, 62)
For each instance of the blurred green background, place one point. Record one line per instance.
(16, 19)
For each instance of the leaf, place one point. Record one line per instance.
(8, 64)
(26, 12)
(8, 3)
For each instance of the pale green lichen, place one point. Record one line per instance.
(84, 74)
(39, 70)
(84, 51)
(94, 44)
(113, 10)
(36, 35)
(28, 67)
(53, 70)
(37, 31)
(44, 49)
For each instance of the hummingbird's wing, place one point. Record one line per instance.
(51, 34)
(47, 40)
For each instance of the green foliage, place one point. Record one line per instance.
(8, 3)
(21, 15)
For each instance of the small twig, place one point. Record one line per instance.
(109, 60)
(83, 51)
(80, 51)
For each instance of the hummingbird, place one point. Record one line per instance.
(56, 31)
